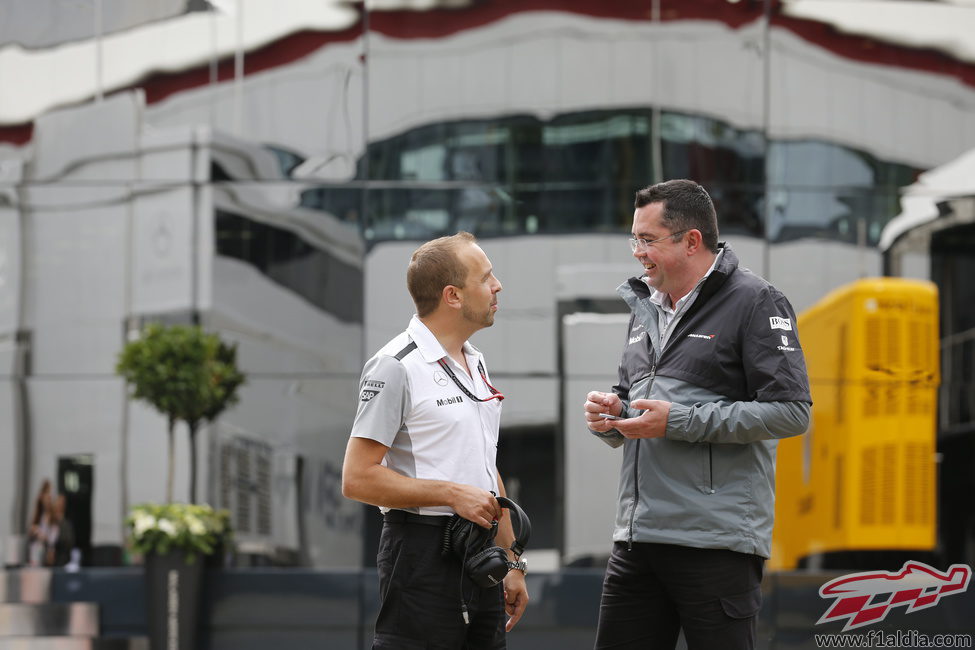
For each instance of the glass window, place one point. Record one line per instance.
(824, 190)
(577, 172)
(291, 262)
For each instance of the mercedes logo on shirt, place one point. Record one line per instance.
(440, 378)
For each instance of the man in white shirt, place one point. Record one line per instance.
(423, 448)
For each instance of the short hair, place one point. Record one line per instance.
(435, 265)
(686, 206)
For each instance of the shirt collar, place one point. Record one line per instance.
(429, 347)
(662, 299)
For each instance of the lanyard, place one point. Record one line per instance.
(495, 393)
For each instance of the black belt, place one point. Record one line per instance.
(403, 517)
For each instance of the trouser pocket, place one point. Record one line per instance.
(743, 605)
(395, 642)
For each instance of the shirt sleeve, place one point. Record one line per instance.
(384, 400)
(775, 368)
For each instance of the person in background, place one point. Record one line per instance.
(37, 528)
(60, 535)
(423, 448)
(711, 376)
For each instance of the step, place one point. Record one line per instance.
(74, 643)
(25, 586)
(48, 619)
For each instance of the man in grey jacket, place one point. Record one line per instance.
(712, 375)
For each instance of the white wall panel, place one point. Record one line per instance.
(9, 472)
(592, 467)
(10, 272)
(76, 285)
(162, 249)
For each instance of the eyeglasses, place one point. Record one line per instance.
(647, 243)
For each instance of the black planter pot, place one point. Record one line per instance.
(173, 594)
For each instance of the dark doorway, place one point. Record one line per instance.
(952, 269)
(526, 460)
(76, 481)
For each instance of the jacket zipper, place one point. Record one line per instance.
(636, 466)
(710, 470)
(636, 460)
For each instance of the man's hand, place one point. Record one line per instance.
(474, 504)
(652, 423)
(515, 597)
(596, 403)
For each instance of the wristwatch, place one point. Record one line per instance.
(521, 565)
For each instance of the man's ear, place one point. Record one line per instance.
(694, 240)
(451, 297)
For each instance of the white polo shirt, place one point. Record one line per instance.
(432, 428)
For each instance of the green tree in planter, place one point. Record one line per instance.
(185, 374)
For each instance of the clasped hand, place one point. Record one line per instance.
(652, 423)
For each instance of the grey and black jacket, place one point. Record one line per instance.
(735, 374)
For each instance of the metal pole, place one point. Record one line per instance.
(766, 133)
(213, 67)
(239, 72)
(656, 149)
(22, 368)
(97, 17)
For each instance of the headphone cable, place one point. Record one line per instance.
(463, 566)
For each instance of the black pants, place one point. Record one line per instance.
(422, 592)
(654, 590)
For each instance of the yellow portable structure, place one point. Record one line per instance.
(863, 476)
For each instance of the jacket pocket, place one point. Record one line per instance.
(709, 470)
(703, 459)
(743, 605)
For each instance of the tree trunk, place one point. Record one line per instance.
(172, 461)
(193, 426)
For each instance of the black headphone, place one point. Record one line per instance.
(485, 566)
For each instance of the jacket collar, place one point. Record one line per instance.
(727, 265)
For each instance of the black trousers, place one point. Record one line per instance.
(653, 591)
(422, 592)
